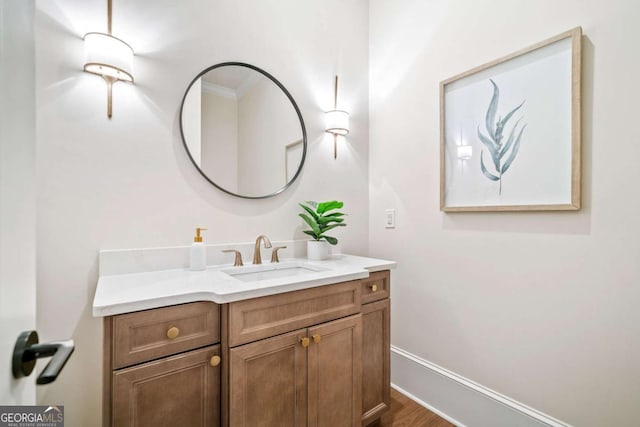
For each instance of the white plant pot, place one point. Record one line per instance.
(317, 250)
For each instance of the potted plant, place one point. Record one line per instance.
(321, 217)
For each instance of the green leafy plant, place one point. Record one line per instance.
(321, 218)
(497, 147)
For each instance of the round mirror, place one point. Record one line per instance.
(242, 130)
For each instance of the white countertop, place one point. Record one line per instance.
(124, 293)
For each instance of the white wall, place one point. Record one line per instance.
(192, 128)
(127, 182)
(17, 192)
(541, 307)
(220, 140)
(267, 123)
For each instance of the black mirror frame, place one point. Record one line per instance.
(295, 106)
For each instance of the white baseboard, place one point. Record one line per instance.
(458, 399)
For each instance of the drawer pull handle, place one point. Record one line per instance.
(374, 288)
(215, 360)
(316, 339)
(304, 341)
(173, 333)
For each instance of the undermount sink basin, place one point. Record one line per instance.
(254, 273)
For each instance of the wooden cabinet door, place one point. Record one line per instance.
(376, 347)
(182, 390)
(268, 382)
(335, 373)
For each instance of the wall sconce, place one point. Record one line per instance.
(465, 152)
(336, 121)
(108, 57)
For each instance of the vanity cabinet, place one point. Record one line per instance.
(162, 367)
(308, 377)
(268, 382)
(335, 373)
(182, 390)
(316, 357)
(313, 357)
(295, 358)
(376, 347)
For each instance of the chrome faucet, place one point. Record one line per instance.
(257, 259)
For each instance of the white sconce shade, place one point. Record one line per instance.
(465, 152)
(337, 122)
(108, 56)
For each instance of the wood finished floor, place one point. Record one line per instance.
(406, 412)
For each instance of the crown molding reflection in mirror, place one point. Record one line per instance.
(236, 121)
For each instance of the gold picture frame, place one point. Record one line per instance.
(541, 112)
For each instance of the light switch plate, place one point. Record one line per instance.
(390, 218)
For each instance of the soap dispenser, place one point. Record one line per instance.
(198, 254)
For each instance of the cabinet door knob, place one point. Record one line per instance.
(316, 338)
(304, 341)
(215, 360)
(173, 332)
(374, 288)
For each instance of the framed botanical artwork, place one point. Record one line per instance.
(510, 131)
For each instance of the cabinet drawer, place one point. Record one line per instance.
(375, 287)
(150, 334)
(258, 318)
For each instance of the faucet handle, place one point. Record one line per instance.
(274, 253)
(237, 262)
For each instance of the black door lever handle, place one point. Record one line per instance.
(27, 351)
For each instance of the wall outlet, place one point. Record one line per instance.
(390, 218)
